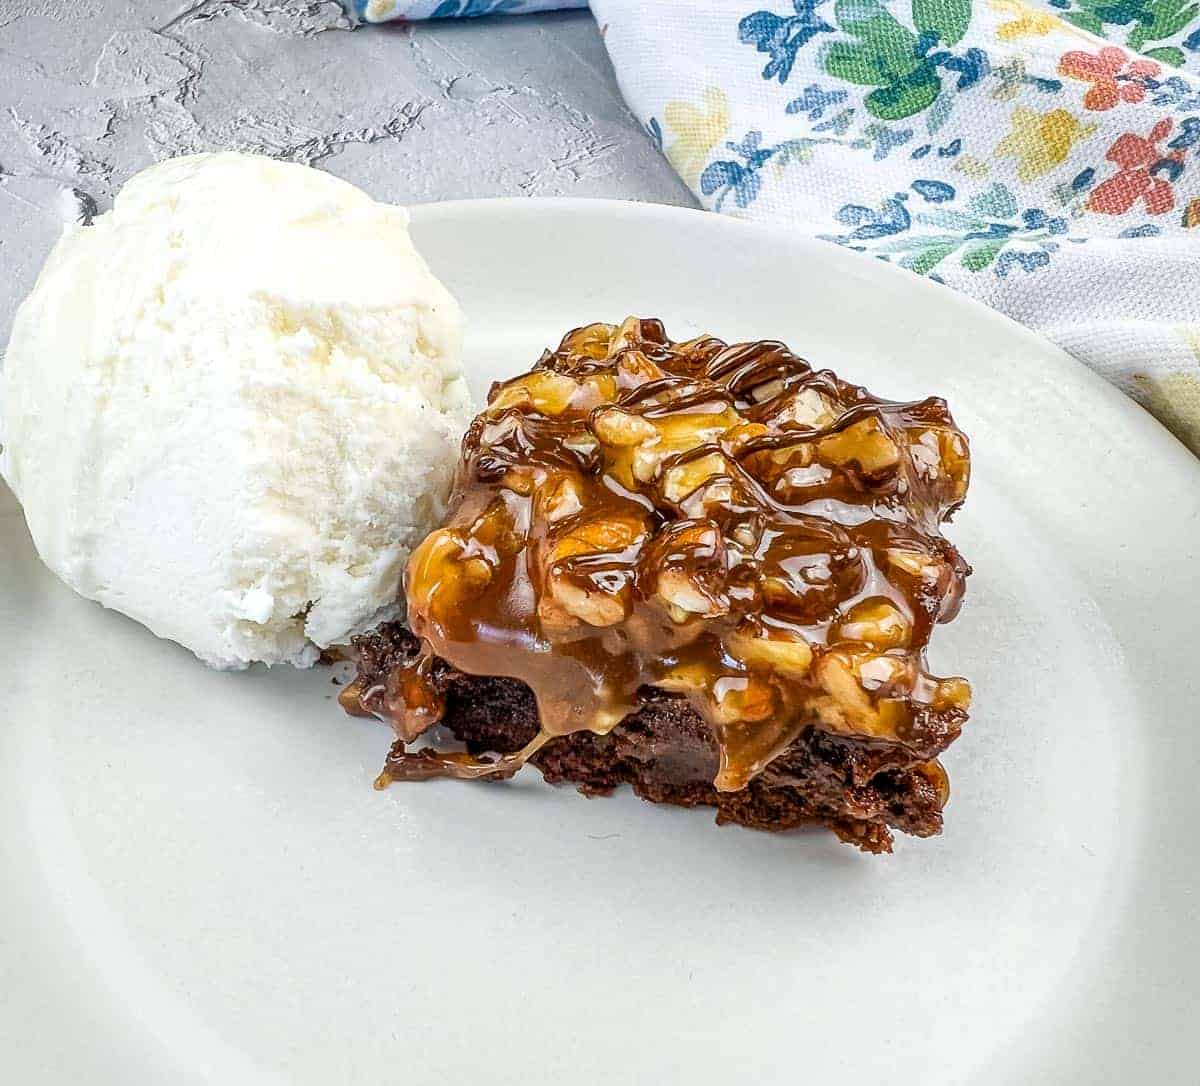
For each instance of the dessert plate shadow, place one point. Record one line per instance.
(199, 884)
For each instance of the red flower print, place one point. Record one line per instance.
(1114, 76)
(1145, 173)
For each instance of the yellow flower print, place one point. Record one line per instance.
(1041, 141)
(1028, 22)
(378, 10)
(1175, 399)
(697, 131)
(972, 166)
(1190, 334)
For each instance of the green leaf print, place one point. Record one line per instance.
(1168, 54)
(1148, 20)
(1085, 20)
(851, 15)
(1168, 17)
(930, 257)
(855, 62)
(892, 42)
(946, 18)
(979, 257)
(883, 53)
(905, 97)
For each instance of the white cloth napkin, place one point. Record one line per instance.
(1001, 147)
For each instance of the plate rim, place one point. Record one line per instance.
(1145, 424)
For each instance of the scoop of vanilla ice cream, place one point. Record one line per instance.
(233, 404)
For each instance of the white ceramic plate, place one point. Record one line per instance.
(198, 884)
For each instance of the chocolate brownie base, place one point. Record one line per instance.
(666, 753)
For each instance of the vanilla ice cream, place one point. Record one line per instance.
(232, 405)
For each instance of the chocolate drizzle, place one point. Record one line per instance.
(721, 522)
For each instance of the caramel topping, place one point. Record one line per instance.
(718, 521)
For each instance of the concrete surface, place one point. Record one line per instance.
(91, 91)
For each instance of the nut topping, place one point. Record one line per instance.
(720, 522)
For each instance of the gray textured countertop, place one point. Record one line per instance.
(94, 90)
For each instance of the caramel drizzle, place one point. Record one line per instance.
(425, 765)
(568, 561)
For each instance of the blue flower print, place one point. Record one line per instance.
(1026, 259)
(1035, 218)
(885, 139)
(987, 230)
(934, 192)
(814, 101)
(741, 178)
(971, 67)
(470, 9)
(655, 132)
(839, 123)
(1176, 92)
(781, 37)
(1189, 134)
(892, 218)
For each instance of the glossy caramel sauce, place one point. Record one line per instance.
(722, 522)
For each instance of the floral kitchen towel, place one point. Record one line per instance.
(380, 11)
(1042, 157)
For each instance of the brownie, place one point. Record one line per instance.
(704, 570)
(666, 753)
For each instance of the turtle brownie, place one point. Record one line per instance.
(704, 570)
